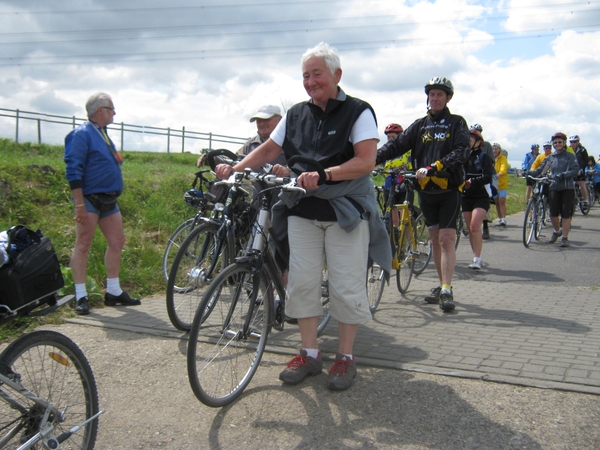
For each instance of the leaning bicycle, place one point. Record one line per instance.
(247, 301)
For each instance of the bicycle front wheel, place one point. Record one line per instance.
(196, 264)
(174, 244)
(459, 229)
(404, 261)
(225, 348)
(375, 285)
(423, 245)
(53, 368)
(529, 223)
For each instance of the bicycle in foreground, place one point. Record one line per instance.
(240, 307)
(48, 394)
(536, 210)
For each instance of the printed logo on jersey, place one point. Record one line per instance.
(426, 137)
(441, 136)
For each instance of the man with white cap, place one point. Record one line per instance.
(267, 117)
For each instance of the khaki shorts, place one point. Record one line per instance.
(311, 244)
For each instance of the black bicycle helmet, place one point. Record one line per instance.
(535, 146)
(477, 127)
(442, 83)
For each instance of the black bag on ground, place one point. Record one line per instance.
(32, 273)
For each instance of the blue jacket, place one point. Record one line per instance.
(528, 161)
(91, 164)
(596, 174)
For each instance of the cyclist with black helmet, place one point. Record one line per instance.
(440, 146)
(486, 148)
(582, 159)
(403, 162)
(563, 167)
(476, 195)
(526, 167)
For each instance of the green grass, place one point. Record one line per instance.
(34, 192)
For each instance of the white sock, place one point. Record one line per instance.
(477, 259)
(80, 291)
(349, 357)
(113, 287)
(312, 352)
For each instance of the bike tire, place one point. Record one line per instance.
(53, 368)
(188, 280)
(584, 207)
(405, 261)
(529, 223)
(375, 285)
(174, 244)
(326, 314)
(459, 229)
(539, 219)
(225, 348)
(423, 245)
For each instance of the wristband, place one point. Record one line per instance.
(328, 175)
(80, 206)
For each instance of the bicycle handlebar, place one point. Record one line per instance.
(286, 183)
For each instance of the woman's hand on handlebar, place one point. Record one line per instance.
(281, 171)
(308, 180)
(223, 171)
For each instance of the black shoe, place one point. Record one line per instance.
(434, 297)
(446, 302)
(485, 235)
(82, 307)
(124, 299)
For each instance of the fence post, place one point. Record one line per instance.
(74, 123)
(122, 136)
(17, 131)
(169, 141)
(182, 139)
(210, 141)
(39, 132)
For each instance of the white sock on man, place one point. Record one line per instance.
(80, 291)
(312, 352)
(113, 287)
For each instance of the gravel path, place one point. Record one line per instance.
(143, 385)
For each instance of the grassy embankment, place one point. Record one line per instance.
(34, 192)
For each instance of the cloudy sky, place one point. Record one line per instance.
(523, 69)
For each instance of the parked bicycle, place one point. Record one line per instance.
(202, 196)
(246, 300)
(536, 210)
(48, 393)
(211, 246)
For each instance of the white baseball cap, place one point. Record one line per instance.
(266, 112)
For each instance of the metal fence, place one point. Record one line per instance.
(121, 128)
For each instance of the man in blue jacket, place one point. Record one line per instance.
(95, 178)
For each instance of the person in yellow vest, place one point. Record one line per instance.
(501, 167)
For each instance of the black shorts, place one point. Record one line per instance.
(529, 181)
(469, 203)
(561, 203)
(440, 208)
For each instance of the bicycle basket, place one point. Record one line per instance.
(217, 194)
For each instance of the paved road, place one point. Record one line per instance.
(530, 317)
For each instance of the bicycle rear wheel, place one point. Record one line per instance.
(53, 368)
(225, 348)
(189, 277)
(326, 315)
(174, 244)
(404, 261)
(423, 245)
(539, 219)
(529, 223)
(459, 229)
(375, 285)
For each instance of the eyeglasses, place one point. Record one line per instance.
(108, 107)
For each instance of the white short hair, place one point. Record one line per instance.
(326, 53)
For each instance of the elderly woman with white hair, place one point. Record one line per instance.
(337, 221)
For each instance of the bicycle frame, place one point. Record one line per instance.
(406, 225)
